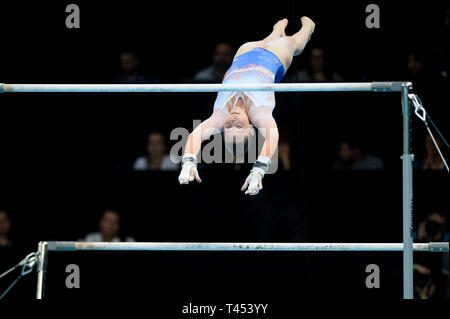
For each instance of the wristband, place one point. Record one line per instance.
(189, 158)
(263, 162)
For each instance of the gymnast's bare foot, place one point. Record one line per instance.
(308, 24)
(280, 26)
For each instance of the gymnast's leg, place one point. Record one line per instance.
(301, 38)
(278, 31)
(286, 47)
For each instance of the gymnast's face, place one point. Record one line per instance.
(237, 125)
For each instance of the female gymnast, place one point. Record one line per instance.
(237, 113)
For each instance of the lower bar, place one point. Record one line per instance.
(45, 247)
(177, 246)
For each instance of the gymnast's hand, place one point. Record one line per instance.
(189, 169)
(254, 180)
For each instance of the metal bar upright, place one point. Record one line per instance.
(42, 268)
(407, 190)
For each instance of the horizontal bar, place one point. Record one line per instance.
(177, 246)
(140, 88)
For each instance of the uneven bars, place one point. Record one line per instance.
(403, 87)
(191, 246)
(143, 88)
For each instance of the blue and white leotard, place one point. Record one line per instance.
(256, 66)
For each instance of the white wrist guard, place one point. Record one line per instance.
(189, 158)
(261, 165)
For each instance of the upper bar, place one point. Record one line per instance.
(142, 88)
(177, 246)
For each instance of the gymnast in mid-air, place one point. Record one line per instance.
(237, 113)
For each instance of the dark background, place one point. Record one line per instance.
(67, 157)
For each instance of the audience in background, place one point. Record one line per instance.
(415, 71)
(415, 66)
(442, 47)
(284, 152)
(129, 70)
(317, 69)
(352, 156)
(222, 59)
(432, 160)
(109, 227)
(431, 271)
(5, 226)
(157, 157)
(432, 228)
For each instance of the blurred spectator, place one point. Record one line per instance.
(5, 226)
(431, 271)
(157, 158)
(442, 50)
(109, 227)
(415, 67)
(420, 73)
(351, 156)
(317, 69)
(222, 59)
(433, 228)
(284, 152)
(129, 70)
(433, 160)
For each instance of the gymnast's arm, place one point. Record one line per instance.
(207, 128)
(262, 118)
(266, 124)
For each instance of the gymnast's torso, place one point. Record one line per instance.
(255, 66)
